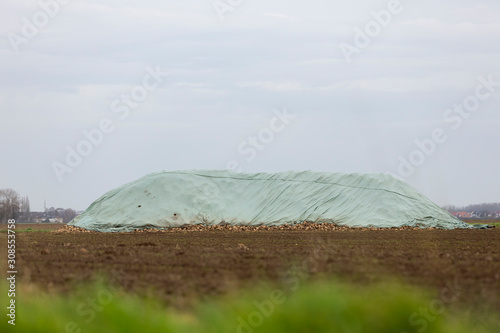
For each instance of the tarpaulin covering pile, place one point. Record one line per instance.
(178, 198)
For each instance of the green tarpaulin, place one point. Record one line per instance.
(176, 198)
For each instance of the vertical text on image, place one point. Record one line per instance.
(11, 270)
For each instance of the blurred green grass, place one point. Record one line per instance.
(315, 307)
(26, 230)
(493, 222)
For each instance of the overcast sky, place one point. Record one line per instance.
(321, 85)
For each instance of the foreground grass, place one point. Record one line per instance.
(313, 307)
(32, 227)
(493, 222)
(27, 230)
(496, 225)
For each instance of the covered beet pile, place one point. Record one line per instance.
(177, 198)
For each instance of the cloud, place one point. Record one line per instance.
(200, 88)
(479, 14)
(414, 84)
(436, 28)
(322, 61)
(142, 13)
(227, 76)
(275, 85)
(190, 85)
(279, 16)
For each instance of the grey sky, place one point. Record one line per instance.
(226, 78)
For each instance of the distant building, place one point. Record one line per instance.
(44, 219)
(462, 215)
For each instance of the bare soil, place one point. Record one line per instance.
(189, 264)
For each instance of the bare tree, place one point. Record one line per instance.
(9, 205)
(68, 215)
(51, 213)
(480, 209)
(25, 212)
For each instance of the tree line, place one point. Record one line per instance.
(480, 210)
(15, 206)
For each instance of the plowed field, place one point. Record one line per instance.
(182, 266)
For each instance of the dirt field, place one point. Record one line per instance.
(185, 265)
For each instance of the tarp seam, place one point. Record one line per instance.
(298, 181)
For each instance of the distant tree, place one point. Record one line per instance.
(451, 208)
(9, 205)
(480, 210)
(68, 215)
(484, 207)
(51, 212)
(24, 210)
(60, 212)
